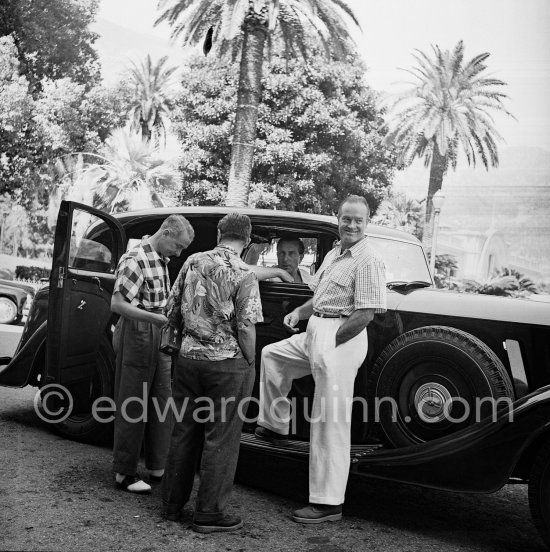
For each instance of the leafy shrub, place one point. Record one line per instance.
(445, 266)
(31, 272)
(508, 282)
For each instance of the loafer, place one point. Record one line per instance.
(225, 524)
(133, 484)
(318, 513)
(271, 436)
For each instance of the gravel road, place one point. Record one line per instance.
(58, 495)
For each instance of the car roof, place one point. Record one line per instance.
(268, 214)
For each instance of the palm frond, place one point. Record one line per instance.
(291, 22)
(450, 103)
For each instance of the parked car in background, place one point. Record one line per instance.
(15, 298)
(455, 387)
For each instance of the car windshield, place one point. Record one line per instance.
(405, 261)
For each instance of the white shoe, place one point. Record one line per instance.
(132, 484)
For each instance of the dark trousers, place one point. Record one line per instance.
(207, 395)
(142, 389)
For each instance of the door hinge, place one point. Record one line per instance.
(60, 276)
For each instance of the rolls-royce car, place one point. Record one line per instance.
(454, 393)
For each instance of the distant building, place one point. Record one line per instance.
(495, 218)
(479, 254)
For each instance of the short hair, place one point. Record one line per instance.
(354, 199)
(288, 239)
(177, 225)
(236, 227)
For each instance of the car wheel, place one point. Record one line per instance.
(539, 492)
(81, 424)
(8, 311)
(431, 381)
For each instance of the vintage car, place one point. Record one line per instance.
(14, 297)
(454, 393)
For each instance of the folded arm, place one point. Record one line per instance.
(354, 325)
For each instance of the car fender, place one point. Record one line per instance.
(20, 370)
(478, 459)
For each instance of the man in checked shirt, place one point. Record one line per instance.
(349, 288)
(143, 373)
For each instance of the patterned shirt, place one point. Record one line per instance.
(214, 295)
(142, 277)
(350, 280)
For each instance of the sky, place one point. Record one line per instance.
(514, 32)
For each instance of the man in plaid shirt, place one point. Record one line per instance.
(349, 288)
(142, 374)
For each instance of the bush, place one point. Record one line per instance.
(31, 272)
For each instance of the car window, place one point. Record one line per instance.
(404, 261)
(205, 228)
(86, 253)
(266, 254)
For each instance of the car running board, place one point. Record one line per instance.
(300, 449)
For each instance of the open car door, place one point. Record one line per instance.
(88, 244)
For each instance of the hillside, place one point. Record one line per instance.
(118, 44)
(513, 198)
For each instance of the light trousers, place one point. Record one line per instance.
(333, 369)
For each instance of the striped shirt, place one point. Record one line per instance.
(142, 277)
(350, 280)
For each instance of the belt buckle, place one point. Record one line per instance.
(324, 315)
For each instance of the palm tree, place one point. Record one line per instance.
(152, 101)
(230, 26)
(130, 174)
(136, 175)
(399, 211)
(448, 106)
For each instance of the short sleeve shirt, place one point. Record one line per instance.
(214, 295)
(350, 280)
(142, 277)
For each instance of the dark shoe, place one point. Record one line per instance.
(271, 436)
(154, 479)
(225, 524)
(133, 484)
(318, 513)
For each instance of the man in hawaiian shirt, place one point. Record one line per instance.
(216, 300)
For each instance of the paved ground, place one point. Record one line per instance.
(58, 495)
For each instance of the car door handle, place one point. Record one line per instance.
(98, 282)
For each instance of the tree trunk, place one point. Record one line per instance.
(437, 170)
(145, 132)
(246, 117)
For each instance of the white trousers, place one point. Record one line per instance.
(334, 369)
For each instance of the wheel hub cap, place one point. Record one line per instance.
(7, 312)
(430, 400)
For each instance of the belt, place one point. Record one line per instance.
(151, 309)
(324, 315)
